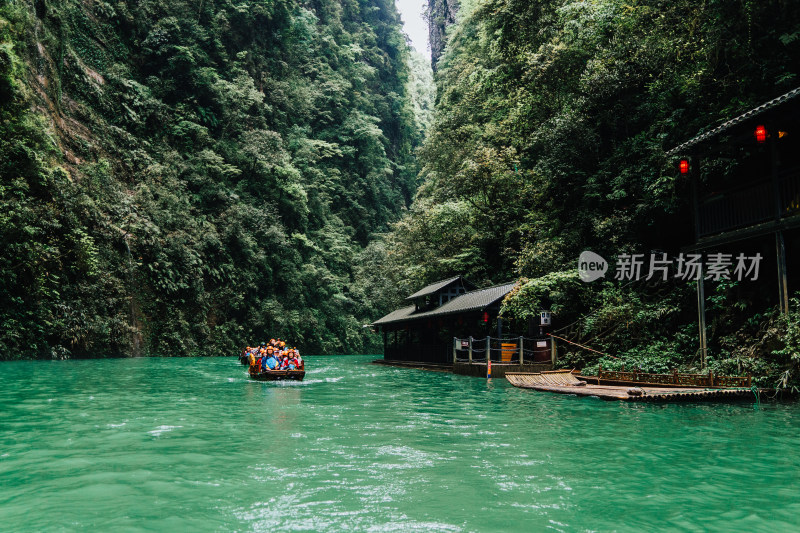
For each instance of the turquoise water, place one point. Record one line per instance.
(193, 445)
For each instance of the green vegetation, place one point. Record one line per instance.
(183, 177)
(179, 178)
(551, 122)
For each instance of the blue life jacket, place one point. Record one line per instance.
(271, 362)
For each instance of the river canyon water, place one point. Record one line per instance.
(193, 445)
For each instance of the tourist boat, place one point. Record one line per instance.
(276, 348)
(277, 375)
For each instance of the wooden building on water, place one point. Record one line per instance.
(423, 331)
(744, 178)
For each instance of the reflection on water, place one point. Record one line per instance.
(192, 444)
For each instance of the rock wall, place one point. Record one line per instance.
(441, 14)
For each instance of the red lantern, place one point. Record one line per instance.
(485, 316)
(761, 133)
(684, 166)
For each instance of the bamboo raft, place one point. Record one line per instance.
(643, 379)
(565, 382)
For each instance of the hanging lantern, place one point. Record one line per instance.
(684, 166)
(485, 317)
(761, 133)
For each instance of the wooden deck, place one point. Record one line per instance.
(498, 369)
(441, 367)
(564, 382)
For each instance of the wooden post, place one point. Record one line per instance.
(776, 178)
(470, 349)
(455, 340)
(599, 373)
(521, 350)
(553, 351)
(710, 378)
(701, 317)
(488, 348)
(783, 294)
(749, 380)
(783, 291)
(675, 376)
(694, 176)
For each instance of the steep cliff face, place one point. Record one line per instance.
(181, 177)
(441, 14)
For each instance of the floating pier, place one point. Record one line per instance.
(564, 382)
(498, 369)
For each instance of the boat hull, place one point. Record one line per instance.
(278, 375)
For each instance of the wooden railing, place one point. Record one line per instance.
(692, 380)
(736, 208)
(750, 204)
(507, 350)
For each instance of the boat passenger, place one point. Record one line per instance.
(271, 362)
(269, 359)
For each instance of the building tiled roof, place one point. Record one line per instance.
(471, 301)
(396, 315)
(474, 300)
(733, 122)
(433, 287)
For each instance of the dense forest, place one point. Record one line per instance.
(184, 177)
(551, 124)
(180, 178)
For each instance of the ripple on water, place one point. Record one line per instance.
(160, 430)
(194, 445)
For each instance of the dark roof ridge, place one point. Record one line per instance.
(487, 288)
(766, 106)
(463, 303)
(433, 287)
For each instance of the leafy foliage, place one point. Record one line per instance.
(551, 122)
(180, 178)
